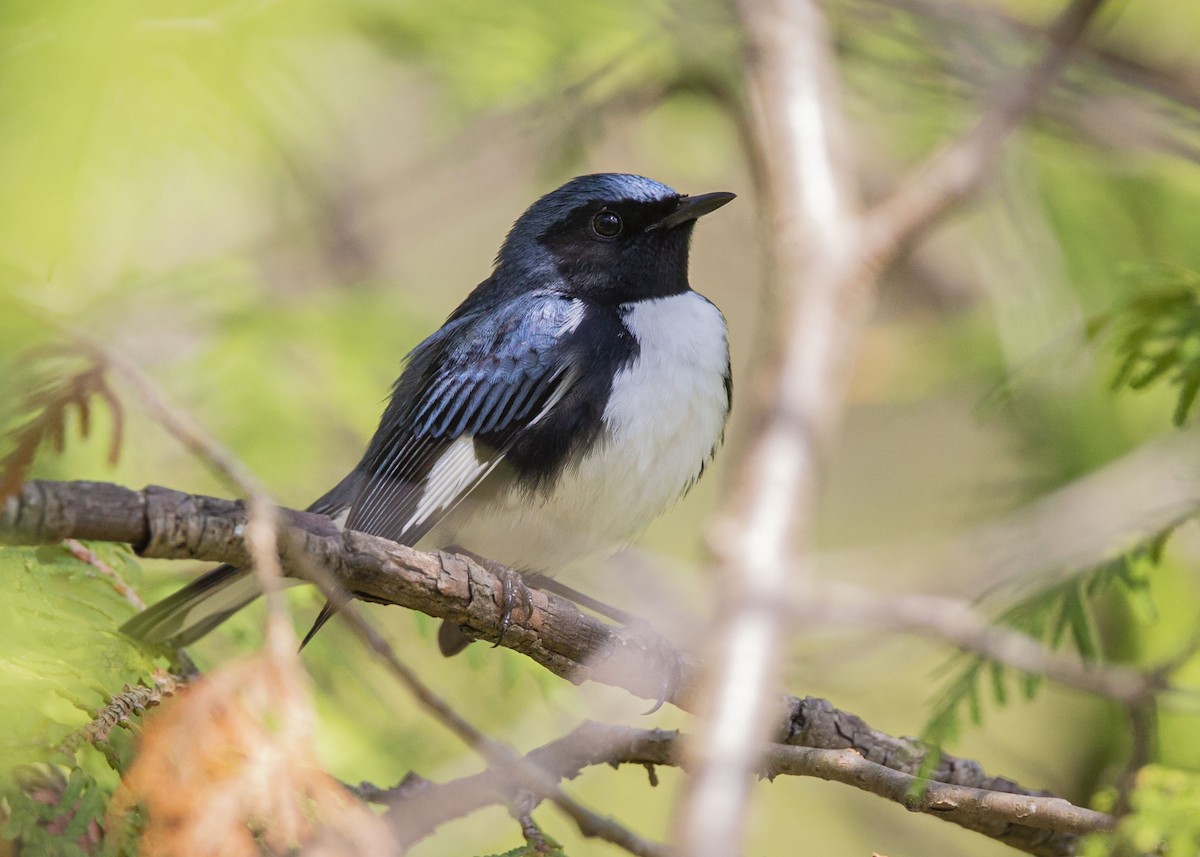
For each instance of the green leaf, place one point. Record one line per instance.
(531, 850)
(1076, 613)
(999, 689)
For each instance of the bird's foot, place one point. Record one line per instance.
(522, 810)
(663, 661)
(514, 593)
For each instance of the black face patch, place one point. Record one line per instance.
(629, 264)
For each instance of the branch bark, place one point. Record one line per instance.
(162, 523)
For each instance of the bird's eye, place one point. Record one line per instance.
(606, 224)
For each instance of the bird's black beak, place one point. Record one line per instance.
(691, 207)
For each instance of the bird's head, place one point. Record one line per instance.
(610, 237)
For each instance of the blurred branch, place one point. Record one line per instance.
(957, 170)
(161, 523)
(84, 554)
(824, 259)
(261, 523)
(1083, 524)
(1177, 85)
(810, 222)
(957, 622)
(416, 807)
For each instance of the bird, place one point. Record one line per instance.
(572, 397)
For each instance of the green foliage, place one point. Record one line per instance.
(61, 655)
(1156, 335)
(518, 53)
(60, 660)
(1060, 614)
(53, 813)
(123, 88)
(529, 849)
(1165, 817)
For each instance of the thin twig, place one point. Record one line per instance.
(82, 553)
(957, 622)
(261, 524)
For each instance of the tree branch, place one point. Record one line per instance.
(159, 522)
(416, 807)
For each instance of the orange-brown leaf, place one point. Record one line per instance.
(227, 768)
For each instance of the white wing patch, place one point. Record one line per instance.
(459, 469)
(454, 473)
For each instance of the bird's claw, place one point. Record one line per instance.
(663, 657)
(514, 592)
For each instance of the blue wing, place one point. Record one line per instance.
(465, 396)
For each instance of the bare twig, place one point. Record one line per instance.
(417, 807)
(977, 809)
(261, 524)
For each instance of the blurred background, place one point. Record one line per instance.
(266, 205)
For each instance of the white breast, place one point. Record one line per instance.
(663, 420)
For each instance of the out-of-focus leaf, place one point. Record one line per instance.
(231, 761)
(1053, 615)
(1156, 335)
(60, 654)
(1165, 817)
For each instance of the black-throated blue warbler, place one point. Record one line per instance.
(573, 396)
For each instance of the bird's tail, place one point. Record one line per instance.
(196, 609)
